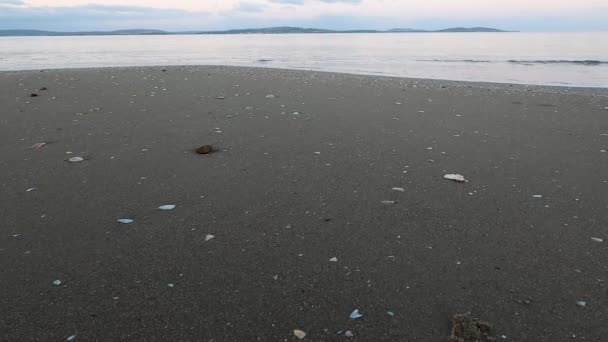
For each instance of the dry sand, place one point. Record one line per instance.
(298, 180)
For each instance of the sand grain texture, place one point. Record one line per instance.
(486, 247)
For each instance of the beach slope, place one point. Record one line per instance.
(326, 194)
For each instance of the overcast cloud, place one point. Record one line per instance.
(525, 15)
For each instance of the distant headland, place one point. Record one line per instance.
(268, 30)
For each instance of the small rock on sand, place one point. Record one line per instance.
(205, 149)
(467, 329)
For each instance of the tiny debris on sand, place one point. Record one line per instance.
(399, 189)
(205, 149)
(456, 178)
(38, 145)
(209, 237)
(389, 202)
(334, 259)
(75, 159)
(467, 329)
(125, 221)
(355, 314)
(597, 239)
(299, 334)
(581, 304)
(167, 207)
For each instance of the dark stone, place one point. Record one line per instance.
(467, 329)
(33, 95)
(43, 88)
(205, 149)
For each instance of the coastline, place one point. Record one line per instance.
(299, 178)
(454, 82)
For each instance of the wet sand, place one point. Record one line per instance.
(299, 179)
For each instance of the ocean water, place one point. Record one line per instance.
(570, 59)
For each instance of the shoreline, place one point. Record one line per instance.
(600, 90)
(325, 194)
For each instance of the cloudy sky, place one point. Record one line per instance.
(524, 15)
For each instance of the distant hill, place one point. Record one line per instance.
(267, 30)
(471, 29)
(15, 33)
(287, 29)
(399, 30)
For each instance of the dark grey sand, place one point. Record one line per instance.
(279, 211)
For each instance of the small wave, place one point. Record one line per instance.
(519, 61)
(558, 61)
(455, 60)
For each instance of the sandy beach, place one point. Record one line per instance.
(325, 194)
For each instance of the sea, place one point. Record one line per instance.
(561, 59)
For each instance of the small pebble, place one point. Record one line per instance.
(299, 334)
(205, 149)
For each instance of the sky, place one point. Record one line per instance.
(187, 15)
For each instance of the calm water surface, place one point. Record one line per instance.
(574, 59)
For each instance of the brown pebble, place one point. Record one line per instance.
(205, 149)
